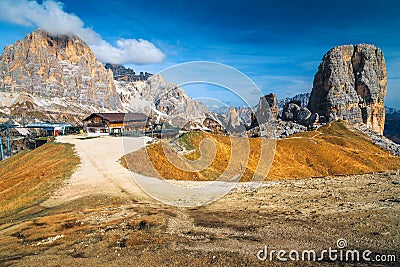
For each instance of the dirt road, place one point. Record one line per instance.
(100, 171)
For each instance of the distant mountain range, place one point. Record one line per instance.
(301, 98)
(120, 73)
(392, 124)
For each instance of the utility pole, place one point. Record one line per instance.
(1, 148)
(8, 142)
(152, 124)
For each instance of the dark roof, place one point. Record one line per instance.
(119, 117)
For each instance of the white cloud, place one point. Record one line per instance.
(51, 17)
(128, 51)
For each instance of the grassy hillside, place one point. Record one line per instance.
(30, 177)
(330, 150)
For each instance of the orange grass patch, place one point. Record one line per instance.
(331, 150)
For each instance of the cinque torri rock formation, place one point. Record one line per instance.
(351, 84)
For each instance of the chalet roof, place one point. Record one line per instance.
(22, 131)
(119, 117)
(47, 125)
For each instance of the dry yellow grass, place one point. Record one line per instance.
(161, 160)
(28, 178)
(330, 150)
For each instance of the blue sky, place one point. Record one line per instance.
(278, 44)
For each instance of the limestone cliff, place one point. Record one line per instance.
(351, 84)
(267, 109)
(60, 67)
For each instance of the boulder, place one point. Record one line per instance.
(312, 120)
(290, 111)
(303, 115)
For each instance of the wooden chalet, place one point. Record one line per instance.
(134, 124)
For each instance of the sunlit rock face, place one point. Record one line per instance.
(57, 67)
(351, 84)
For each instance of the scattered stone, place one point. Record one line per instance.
(49, 240)
(293, 112)
(279, 129)
(379, 140)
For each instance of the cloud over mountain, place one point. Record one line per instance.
(51, 17)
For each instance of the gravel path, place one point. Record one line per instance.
(100, 170)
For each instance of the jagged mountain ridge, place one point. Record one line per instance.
(392, 124)
(302, 98)
(162, 97)
(244, 113)
(121, 73)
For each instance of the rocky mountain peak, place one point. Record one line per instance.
(267, 109)
(351, 84)
(65, 47)
(121, 73)
(57, 67)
